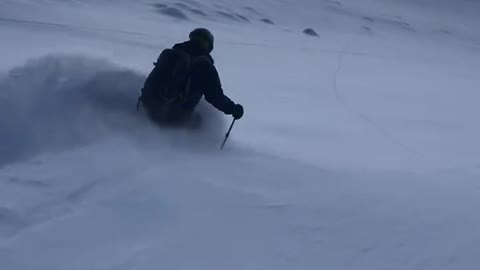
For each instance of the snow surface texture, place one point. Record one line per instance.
(358, 150)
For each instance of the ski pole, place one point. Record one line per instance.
(228, 133)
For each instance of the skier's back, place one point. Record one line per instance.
(181, 77)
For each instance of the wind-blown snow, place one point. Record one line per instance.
(57, 101)
(358, 150)
(62, 101)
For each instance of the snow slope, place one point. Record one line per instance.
(358, 149)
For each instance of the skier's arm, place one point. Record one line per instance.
(219, 100)
(215, 96)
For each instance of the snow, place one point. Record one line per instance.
(358, 150)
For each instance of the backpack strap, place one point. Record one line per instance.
(192, 62)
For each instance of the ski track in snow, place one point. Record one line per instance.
(362, 116)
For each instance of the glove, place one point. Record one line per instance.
(237, 111)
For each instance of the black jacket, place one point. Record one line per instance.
(204, 80)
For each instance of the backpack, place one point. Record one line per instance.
(167, 83)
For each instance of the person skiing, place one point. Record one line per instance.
(181, 76)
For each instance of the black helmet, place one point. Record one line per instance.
(204, 34)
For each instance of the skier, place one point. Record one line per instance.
(181, 77)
